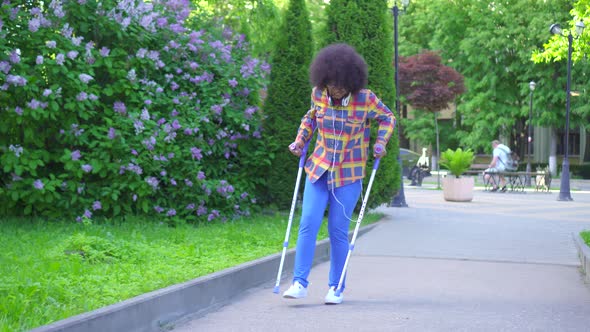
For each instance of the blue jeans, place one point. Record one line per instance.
(316, 197)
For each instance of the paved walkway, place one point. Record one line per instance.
(504, 262)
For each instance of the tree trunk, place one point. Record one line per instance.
(437, 150)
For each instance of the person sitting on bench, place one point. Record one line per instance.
(497, 165)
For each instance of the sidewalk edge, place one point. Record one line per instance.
(584, 255)
(155, 310)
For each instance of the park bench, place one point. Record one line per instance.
(515, 181)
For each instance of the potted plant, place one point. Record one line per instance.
(455, 187)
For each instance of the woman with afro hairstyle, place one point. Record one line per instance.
(341, 111)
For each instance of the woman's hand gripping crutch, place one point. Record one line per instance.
(295, 148)
(380, 151)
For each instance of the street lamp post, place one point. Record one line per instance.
(398, 200)
(530, 137)
(564, 189)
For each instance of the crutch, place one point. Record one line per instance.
(356, 229)
(293, 203)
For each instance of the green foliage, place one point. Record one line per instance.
(586, 237)
(458, 161)
(288, 99)
(112, 110)
(491, 45)
(51, 271)
(367, 26)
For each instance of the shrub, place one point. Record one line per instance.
(114, 107)
(289, 92)
(366, 25)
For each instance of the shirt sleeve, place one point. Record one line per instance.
(305, 130)
(384, 116)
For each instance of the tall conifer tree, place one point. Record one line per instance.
(367, 26)
(288, 100)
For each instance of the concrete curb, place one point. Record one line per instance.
(159, 309)
(584, 255)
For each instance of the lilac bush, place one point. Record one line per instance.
(116, 107)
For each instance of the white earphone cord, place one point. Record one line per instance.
(336, 140)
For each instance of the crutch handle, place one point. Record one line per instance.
(303, 154)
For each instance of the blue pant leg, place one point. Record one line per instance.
(315, 200)
(342, 203)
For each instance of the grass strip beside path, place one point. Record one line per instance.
(51, 271)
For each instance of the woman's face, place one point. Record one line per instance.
(337, 92)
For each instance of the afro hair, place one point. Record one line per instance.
(339, 65)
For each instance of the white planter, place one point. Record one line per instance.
(458, 189)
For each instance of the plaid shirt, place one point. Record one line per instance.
(342, 144)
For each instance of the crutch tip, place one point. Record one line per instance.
(276, 290)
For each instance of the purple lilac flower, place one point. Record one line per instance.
(188, 131)
(60, 59)
(120, 107)
(153, 182)
(72, 54)
(217, 109)
(92, 97)
(87, 168)
(104, 52)
(176, 125)
(171, 213)
(148, 102)
(82, 96)
(188, 182)
(161, 121)
(139, 127)
(77, 40)
(16, 80)
(51, 44)
(38, 184)
(244, 195)
(196, 153)
(173, 182)
(5, 67)
(131, 75)
(177, 28)
(214, 214)
(233, 82)
(47, 92)
(201, 210)
(85, 78)
(201, 175)
(15, 56)
(96, 205)
(87, 214)
(39, 60)
(76, 155)
(158, 209)
(34, 24)
(174, 113)
(190, 206)
(135, 168)
(16, 178)
(17, 149)
(145, 115)
(112, 133)
(134, 197)
(163, 173)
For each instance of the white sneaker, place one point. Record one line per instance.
(331, 297)
(296, 291)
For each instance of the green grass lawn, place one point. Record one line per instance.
(50, 271)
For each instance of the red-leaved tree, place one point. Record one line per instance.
(427, 84)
